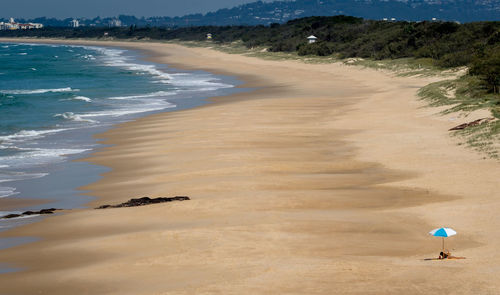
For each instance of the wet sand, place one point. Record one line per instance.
(323, 180)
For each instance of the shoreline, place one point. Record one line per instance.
(315, 174)
(16, 203)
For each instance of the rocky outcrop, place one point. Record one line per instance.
(131, 203)
(28, 213)
(145, 201)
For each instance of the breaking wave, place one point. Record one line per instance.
(73, 117)
(39, 91)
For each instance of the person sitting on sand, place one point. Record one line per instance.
(444, 255)
(447, 255)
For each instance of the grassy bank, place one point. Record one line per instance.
(463, 96)
(458, 92)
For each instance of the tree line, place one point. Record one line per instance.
(448, 44)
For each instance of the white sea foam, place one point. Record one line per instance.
(73, 117)
(181, 82)
(3, 213)
(7, 191)
(54, 152)
(115, 57)
(27, 216)
(84, 98)
(148, 107)
(198, 83)
(38, 91)
(153, 94)
(88, 56)
(38, 156)
(28, 134)
(23, 53)
(16, 176)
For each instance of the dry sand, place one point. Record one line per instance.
(324, 180)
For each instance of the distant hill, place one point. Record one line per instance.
(265, 13)
(415, 10)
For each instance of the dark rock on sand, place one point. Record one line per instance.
(471, 124)
(145, 201)
(28, 213)
(11, 216)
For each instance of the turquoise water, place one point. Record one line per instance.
(54, 97)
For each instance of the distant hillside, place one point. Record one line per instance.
(265, 13)
(281, 11)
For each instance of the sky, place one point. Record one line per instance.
(103, 8)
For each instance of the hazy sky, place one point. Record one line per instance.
(92, 8)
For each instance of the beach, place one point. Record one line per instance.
(324, 179)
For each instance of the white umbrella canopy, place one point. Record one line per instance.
(443, 232)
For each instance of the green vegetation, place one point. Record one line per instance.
(463, 96)
(486, 65)
(446, 44)
(403, 66)
(407, 48)
(484, 138)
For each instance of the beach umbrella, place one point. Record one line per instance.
(443, 232)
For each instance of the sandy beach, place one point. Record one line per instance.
(324, 179)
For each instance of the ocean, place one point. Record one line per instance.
(53, 98)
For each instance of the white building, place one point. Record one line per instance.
(36, 25)
(312, 39)
(12, 25)
(74, 23)
(25, 26)
(115, 23)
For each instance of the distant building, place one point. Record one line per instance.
(209, 36)
(115, 23)
(12, 25)
(74, 23)
(312, 39)
(25, 26)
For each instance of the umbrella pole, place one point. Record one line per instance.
(443, 244)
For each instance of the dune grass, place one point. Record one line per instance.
(462, 93)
